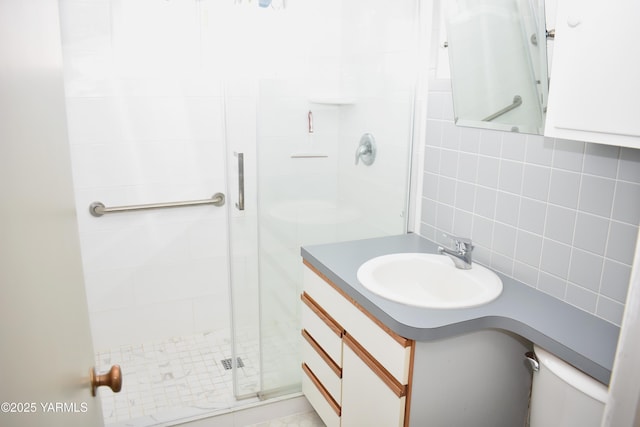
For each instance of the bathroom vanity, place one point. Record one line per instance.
(371, 361)
(357, 350)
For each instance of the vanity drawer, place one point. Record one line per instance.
(324, 330)
(392, 351)
(327, 408)
(369, 399)
(326, 370)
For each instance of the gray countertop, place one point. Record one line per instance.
(583, 340)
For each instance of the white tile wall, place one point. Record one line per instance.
(561, 216)
(149, 114)
(379, 71)
(146, 124)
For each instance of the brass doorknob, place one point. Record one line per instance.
(112, 379)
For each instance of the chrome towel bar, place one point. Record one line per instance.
(98, 209)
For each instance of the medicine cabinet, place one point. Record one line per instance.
(499, 54)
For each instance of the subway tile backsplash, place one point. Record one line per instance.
(560, 216)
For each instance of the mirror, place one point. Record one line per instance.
(498, 63)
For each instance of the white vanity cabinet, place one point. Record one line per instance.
(359, 373)
(356, 371)
(594, 92)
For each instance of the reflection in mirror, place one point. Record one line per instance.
(498, 60)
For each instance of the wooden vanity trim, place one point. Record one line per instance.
(322, 314)
(398, 389)
(405, 342)
(327, 396)
(407, 411)
(327, 359)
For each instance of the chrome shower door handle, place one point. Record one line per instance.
(240, 202)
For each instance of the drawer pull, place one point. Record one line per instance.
(398, 389)
(334, 405)
(323, 354)
(323, 315)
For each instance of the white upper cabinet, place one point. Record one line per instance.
(594, 93)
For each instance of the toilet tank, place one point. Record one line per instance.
(563, 396)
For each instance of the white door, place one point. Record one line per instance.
(45, 342)
(623, 404)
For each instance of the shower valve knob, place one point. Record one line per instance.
(366, 150)
(111, 379)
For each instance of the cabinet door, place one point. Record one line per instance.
(368, 398)
(594, 93)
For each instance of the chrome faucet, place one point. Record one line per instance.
(461, 255)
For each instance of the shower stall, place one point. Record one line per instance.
(178, 100)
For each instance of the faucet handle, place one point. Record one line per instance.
(463, 244)
(366, 149)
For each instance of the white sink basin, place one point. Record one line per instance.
(429, 280)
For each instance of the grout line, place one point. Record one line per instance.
(606, 244)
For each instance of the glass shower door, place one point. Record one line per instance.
(298, 122)
(311, 189)
(287, 191)
(243, 241)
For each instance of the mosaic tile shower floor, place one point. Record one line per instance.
(175, 379)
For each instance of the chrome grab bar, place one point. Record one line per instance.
(517, 101)
(98, 209)
(240, 202)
